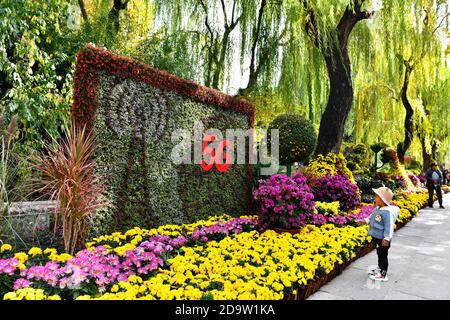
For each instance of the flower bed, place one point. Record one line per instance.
(249, 265)
(221, 258)
(108, 260)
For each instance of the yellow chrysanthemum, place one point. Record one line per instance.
(35, 251)
(5, 247)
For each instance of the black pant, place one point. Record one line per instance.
(431, 189)
(382, 253)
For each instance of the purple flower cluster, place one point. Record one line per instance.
(222, 229)
(21, 283)
(284, 201)
(336, 187)
(7, 266)
(342, 219)
(102, 267)
(422, 179)
(345, 219)
(399, 180)
(415, 180)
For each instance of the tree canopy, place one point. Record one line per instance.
(273, 53)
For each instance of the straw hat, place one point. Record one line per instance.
(385, 194)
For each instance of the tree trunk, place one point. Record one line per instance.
(220, 66)
(402, 147)
(425, 156)
(340, 98)
(83, 10)
(254, 71)
(434, 151)
(114, 16)
(339, 103)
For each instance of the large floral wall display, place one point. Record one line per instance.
(134, 110)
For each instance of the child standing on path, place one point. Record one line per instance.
(381, 228)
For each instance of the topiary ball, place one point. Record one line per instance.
(297, 137)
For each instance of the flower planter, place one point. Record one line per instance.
(313, 286)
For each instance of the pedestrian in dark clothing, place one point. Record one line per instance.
(445, 177)
(434, 182)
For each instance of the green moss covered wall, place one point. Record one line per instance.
(133, 110)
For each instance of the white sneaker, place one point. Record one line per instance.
(373, 271)
(379, 277)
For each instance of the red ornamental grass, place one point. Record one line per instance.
(68, 177)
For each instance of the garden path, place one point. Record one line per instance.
(419, 264)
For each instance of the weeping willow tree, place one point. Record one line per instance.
(401, 83)
(433, 121)
(116, 24)
(336, 62)
(269, 44)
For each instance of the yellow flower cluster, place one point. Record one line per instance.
(327, 208)
(331, 163)
(410, 203)
(29, 294)
(21, 256)
(5, 247)
(35, 251)
(249, 265)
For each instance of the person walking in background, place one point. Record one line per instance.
(434, 182)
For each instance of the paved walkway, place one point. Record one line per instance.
(419, 264)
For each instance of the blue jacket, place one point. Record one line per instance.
(381, 223)
(429, 174)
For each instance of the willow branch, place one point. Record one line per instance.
(225, 13)
(256, 34)
(440, 23)
(311, 24)
(206, 19)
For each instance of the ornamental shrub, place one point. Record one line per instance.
(357, 156)
(68, 175)
(297, 137)
(330, 164)
(284, 202)
(377, 147)
(389, 155)
(336, 187)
